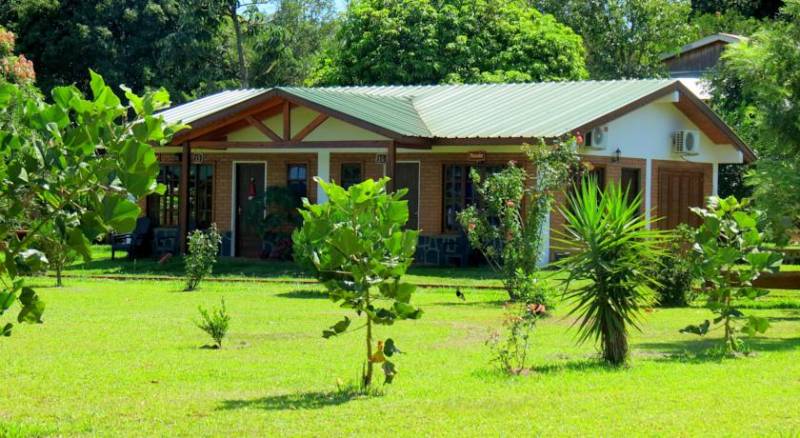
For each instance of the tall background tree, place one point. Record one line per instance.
(758, 89)
(624, 38)
(190, 47)
(453, 41)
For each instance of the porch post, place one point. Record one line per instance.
(544, 255)
(715, 179)
(324, 173)
(183, 210)
(648, 189)
(391, 163)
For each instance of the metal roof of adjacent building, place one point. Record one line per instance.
(541, 110)
(727, 38)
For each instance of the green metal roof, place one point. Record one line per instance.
(541, 110)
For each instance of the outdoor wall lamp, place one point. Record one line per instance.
(615, 158)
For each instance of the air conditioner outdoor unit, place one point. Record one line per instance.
(686, 142)
(597, 138)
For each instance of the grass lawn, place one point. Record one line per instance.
(123, 358)
(229, 267)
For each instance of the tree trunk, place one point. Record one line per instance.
(615, 344)
(58, 277)
(367, 378)
(239, 47)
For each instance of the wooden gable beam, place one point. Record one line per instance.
(287, 120)
(314, 124)
(258, 124)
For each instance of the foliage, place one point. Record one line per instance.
(13, 68)
(757, 86)
(215, 322)
(746, 8)
(511, 352)
(729, 260)
(624, 38)
(360, 250)
(203, 251)
(428, 42)
(674, 274)
(277, 216)
(507, 222)
(613, 249)
(85, 160)
(144, 44)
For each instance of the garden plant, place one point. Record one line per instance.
(202, 255)
(77, 158)
(358, 248)
(674, 272)
(506, 223)
(613, 248)
(729, 258)
(214, 322)
(511, 351)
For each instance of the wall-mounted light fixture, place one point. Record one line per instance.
(615, 158)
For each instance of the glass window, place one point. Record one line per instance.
(164, 210)
(458, 192)
(297, 180)
(351, 174)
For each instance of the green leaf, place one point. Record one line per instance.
(32, 307)
(389, 348)
(120, 214)
(389, 371)
(338, 328)
(7, 329)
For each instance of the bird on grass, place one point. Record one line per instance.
(460, 294)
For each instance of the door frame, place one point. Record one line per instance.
(234, 197)
(419, 185)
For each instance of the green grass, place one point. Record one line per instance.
(123, 358)
(229, 267)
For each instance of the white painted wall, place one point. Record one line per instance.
(647, 133)
(324, 173)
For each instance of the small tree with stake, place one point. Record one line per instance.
(359, 249)
(729, 259)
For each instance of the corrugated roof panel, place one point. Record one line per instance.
(199, 108)
(547, 109)
(396, 114)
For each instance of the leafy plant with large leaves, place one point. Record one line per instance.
(359, 249)
(729, 259)
(78, 158)
(613, 250)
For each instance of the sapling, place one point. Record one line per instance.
(203, 250)
(215, 322)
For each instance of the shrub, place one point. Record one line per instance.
(511, 352)
(203, 250)
(506, 224)
(613, 249)
(215, 323)
(674, 273)
(729, 259)
(359, 249)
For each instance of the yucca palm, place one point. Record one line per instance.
(614, 249)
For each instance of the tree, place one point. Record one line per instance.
(357, 246)
(613, 251)
(90, 158)
(435, 41)
(729, 259)
(178, 44)
(746, 8)
(507, 222)
(624, 38)
(757, 88)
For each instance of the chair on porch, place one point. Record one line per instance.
(131, 242)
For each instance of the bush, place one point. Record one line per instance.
(511, 352)
(203, 250)
(215, 323)
(613, 249)
(674, 272)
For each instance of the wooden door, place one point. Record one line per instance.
(678, 191)
(408, 177)
(250, 185)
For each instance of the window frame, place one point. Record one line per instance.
(360, 178)
(289, 180)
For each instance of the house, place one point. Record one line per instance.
(427, 138)
(696, 59)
